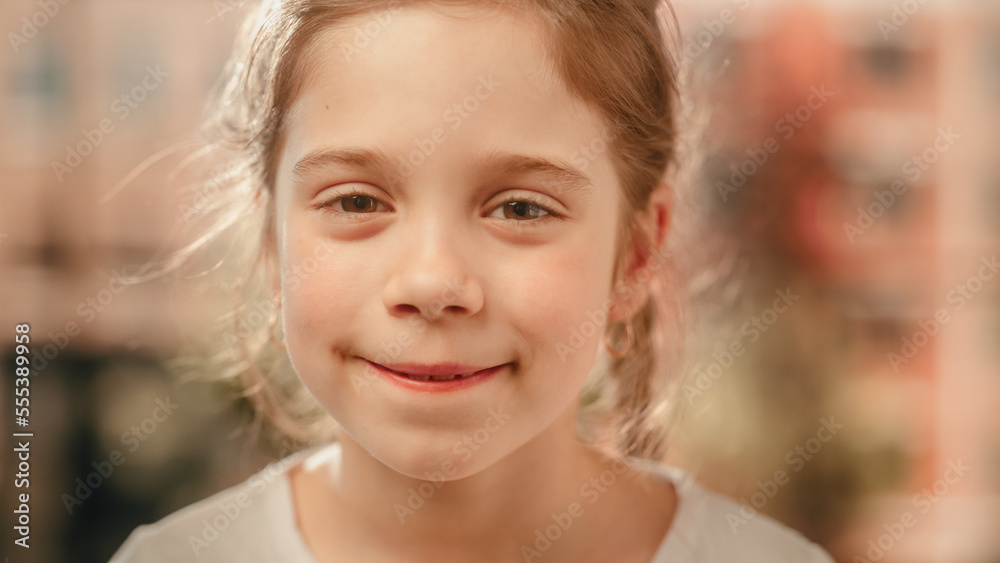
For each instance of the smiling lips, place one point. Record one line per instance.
(434, 372)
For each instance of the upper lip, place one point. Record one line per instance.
(434, 369)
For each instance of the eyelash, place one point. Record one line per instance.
(535, 201)
(327, 205)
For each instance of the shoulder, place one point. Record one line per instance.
(710, 528)
(251, 521)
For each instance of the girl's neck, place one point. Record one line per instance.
(350, 508)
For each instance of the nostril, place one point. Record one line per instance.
(407, 308)
(438, 308)
(431, 296)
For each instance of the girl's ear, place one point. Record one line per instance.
(656, 218)
(644, 252)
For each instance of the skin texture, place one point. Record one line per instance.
(432, 267)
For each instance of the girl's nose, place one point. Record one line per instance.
(432, 279)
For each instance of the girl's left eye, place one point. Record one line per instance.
(523, 210)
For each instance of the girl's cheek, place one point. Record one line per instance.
(566, 312)
(311, 283)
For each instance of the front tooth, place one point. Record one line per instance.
(420, 377)
(443, 377)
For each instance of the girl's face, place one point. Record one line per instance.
(434, 207)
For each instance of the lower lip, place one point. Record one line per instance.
(435, 386)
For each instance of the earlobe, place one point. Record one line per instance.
(630, 291)
(626, 306)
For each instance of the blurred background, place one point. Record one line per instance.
(846, 197)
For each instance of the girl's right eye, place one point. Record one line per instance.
(355, 202)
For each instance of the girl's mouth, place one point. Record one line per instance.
(416, 377)
(439, 377)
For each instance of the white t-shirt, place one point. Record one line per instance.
(255, 521)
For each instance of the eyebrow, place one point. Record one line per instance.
(349, 157)
(558, 175)
(561, 176)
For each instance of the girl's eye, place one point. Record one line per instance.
(354, 203)
(523, 209)
(358, 203)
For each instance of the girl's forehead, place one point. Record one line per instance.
(430, 41)
(427, 75)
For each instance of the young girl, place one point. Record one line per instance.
(462, 217)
